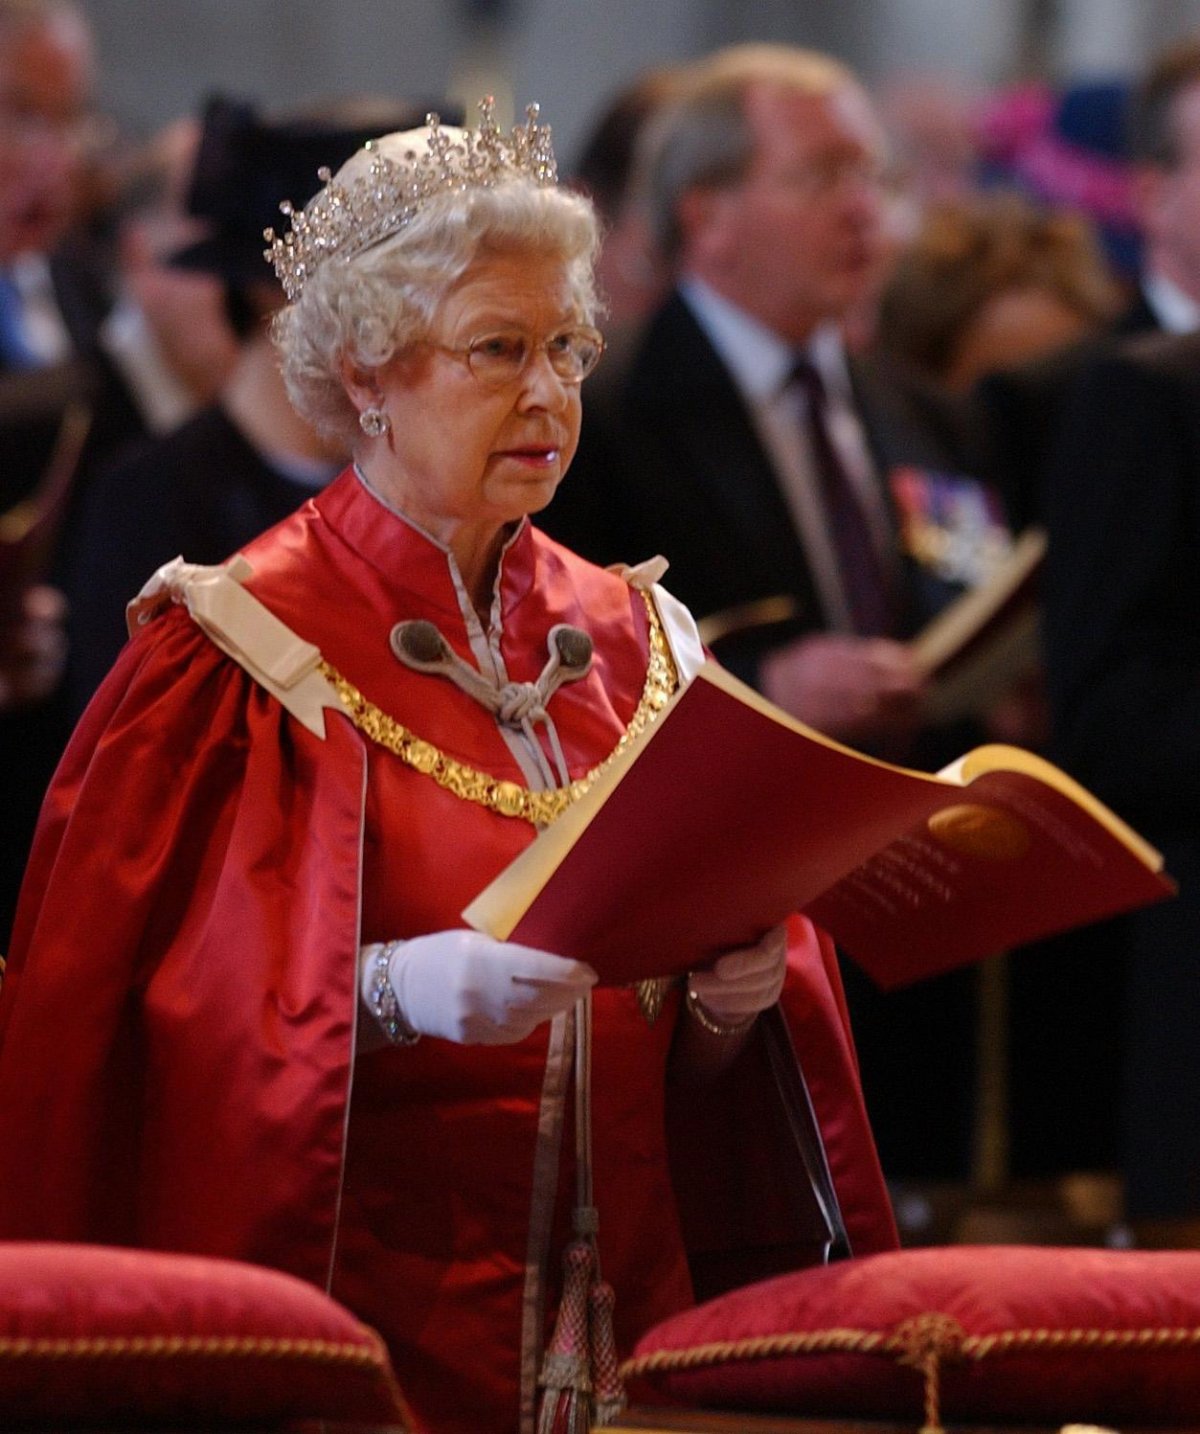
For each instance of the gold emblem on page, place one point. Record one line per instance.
(984, 832)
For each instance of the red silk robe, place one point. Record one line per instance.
(177, 1026)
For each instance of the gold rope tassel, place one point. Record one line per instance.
(580, 1378)
(608, 1392)
(925, 1342)
(566, 1375)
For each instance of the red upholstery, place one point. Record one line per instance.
(90, 1334)
(1025, 1334)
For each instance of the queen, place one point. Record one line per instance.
(242, 1016)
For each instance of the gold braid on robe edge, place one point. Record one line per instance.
(510, 799)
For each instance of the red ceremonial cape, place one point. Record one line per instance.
(177, 1022)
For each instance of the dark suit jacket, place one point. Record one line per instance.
(201, 492)
(1122, 588)
(669, 462)
(1122, 636)
(32, 401)
(31, 408)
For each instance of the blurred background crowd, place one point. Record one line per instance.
(1027, 292)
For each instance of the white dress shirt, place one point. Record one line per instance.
(42, 327)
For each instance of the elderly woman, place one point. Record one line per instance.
(242, 1017)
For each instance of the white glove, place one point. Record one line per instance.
(742, 983)
(467, 987)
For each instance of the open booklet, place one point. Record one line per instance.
(728, 814)
(984, 643)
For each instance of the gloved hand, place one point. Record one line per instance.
(742, 983)
(467, 987)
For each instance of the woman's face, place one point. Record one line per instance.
(459, 453)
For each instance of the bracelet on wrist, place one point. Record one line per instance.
(705, 1019)
(382, 999)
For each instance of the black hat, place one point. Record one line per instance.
(246, 165)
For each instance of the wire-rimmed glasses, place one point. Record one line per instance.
(500, 358)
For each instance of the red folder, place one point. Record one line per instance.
(728, 815)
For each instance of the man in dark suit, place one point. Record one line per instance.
(1085, 973)
(793, 488)
(55, 287)
(1024, 406)
(52, 300)
(46, 69)
(1164, 149)
(1122, 635)
(764, 189)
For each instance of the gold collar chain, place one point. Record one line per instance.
(509, 799)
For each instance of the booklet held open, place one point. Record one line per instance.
(728, 814)
(986, 642)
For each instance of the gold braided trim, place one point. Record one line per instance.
(166, 1346)
(509, 799)
(1023, 1339)
(370, 1360)
(766, 1346)
(899, 1343)
(924, 1342)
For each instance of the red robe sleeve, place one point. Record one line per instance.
(176, 1026)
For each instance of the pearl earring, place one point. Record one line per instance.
(374, 422)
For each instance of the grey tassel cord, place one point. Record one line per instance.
(419, 645)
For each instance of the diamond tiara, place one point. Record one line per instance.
(344, 219)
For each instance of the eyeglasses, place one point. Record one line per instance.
(827, 174)
(499, 359)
